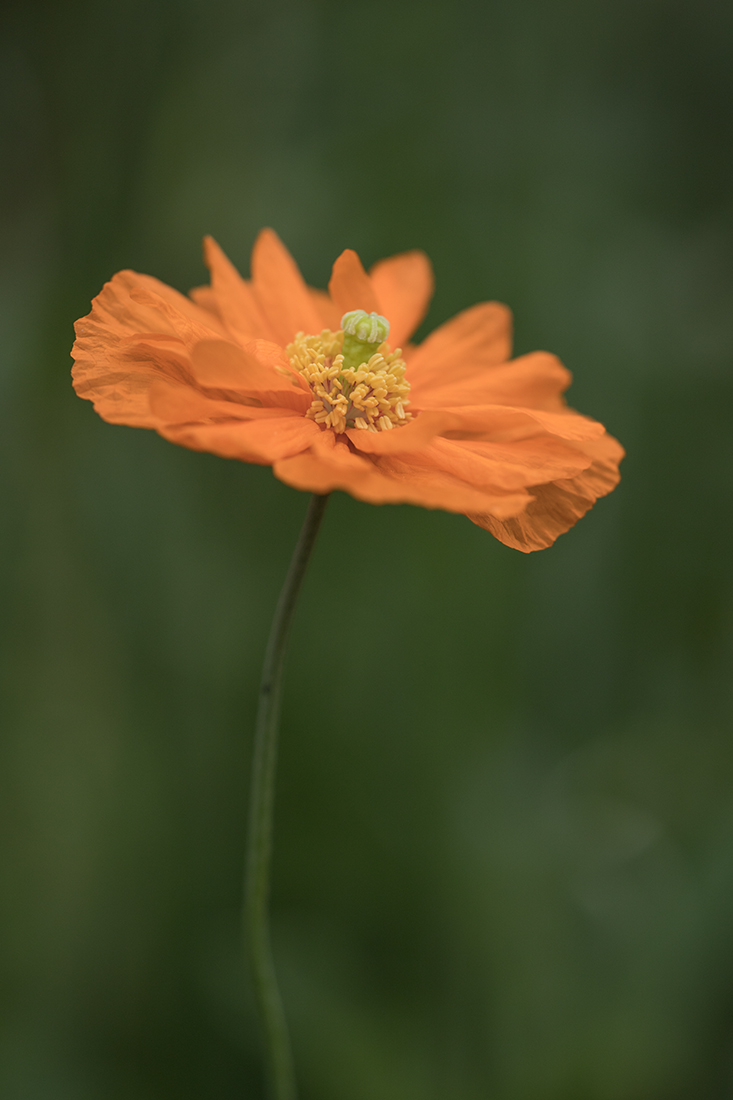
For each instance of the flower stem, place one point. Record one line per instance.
(278, 1057)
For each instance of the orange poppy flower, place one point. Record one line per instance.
(326, 389)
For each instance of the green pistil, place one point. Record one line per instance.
(363, 334)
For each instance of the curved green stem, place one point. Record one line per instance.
(278, 1058)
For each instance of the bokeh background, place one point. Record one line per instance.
(504, 852)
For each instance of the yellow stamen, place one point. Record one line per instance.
(372, 396)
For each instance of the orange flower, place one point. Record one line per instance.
(263, 371)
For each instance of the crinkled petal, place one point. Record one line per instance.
(328, 314)
(186, 325)
(281, 292)
(329, 464)
(350, 287)
(259, 371)
(410, 437)
(496, 422)
(404, 286)
(260, 441)
(131, 303)
(138, 330)
(424, 482)
(505, 467)
(478, 337)
(224, 365)
(171, 403)
(232, 297)
(537, 381)
(558, 505)
(205, 298)
(119, 392)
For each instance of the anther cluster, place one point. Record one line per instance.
(372, 396)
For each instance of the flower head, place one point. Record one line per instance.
(326, 389)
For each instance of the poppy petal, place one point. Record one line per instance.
(427, 484)
(513, 421)
(175, 404)
(328, 313)
(118, 391)
(536, 380)
(187, 327)
(205, 298)
(492, 466)
(404, 285)
(328, 465)
(480, 336)
(132, 303)
(260, 441)
(281, 292)
(558, 505)
(259, 371)
(228, 366)
(233, 296)
(411, 437)
(133, 335)
(350, 287)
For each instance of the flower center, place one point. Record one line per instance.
(356, 381)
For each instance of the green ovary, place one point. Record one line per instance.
(363, 334)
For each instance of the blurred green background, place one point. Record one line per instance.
(504, 852)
